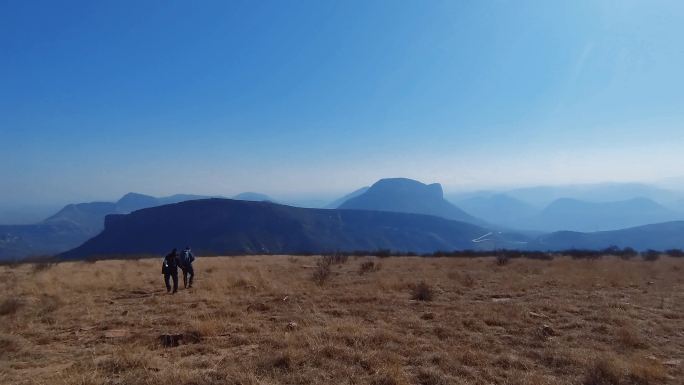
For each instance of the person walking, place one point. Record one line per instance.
(170, 270)
(188, 272)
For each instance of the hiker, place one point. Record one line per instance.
(188, 272)
(170, 270)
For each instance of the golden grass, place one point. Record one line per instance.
(270, 320)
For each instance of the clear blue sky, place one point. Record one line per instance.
(98, 98)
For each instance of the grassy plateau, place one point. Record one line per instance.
(357, 320)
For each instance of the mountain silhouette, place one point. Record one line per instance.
(87, 217)
(252, 196)
(660, 236)
(576, 215)
(498, 208)
(226, 226)
(542, 196)
(134, 201)
(72, 225)
(408, 196)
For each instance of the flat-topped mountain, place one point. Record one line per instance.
(226, 226)
(408, 196)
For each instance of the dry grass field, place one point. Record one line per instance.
(266, 320)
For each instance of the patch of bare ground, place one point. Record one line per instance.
(297, 320)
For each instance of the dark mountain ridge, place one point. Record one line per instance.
(225, 226)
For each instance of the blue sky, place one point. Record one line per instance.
(319, 98)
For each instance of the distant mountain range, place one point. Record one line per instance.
(72, 225)
(563, 222)
(542, 196)
(499, 208)
(576, 215)
(225, 226)
(661, 236)
(252, 196)
(568, 213)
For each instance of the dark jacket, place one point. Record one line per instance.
(170, 264)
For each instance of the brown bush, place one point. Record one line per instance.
(422, 292)
(604, 372)
(629, 337)
(42, 266)
(48, 304)
(338, 258)
(10, 306)
(122, 361)
(502, 260)
(368, 267)
(321, 272)
(646, 372)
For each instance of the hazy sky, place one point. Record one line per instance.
(98, 98)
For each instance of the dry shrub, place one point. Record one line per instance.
(48, 304)
(243, 283)
(502, 260)
(468, 281)
(646, 372)
(281, 361)
(368, 267)
(41, 266)
(337, 258)
(209, 326)
(605, 371)
(192, 336)
(122, 361)
(608, 371)
(10, 306)
(10, 344)
(321, 271)
(650, 255)
(629, 337)
(422, 292)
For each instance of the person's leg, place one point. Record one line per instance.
(191, 272)
(175, 281)
(185, 277)
(166, 281)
